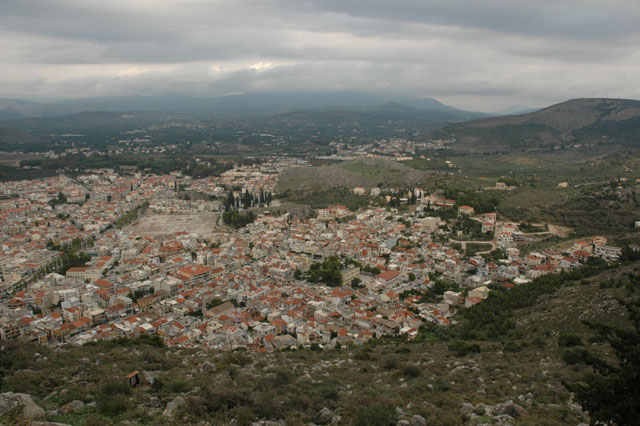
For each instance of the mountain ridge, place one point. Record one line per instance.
(593, 121)
(267, 101)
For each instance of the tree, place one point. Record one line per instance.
(229, 202)
(611, 392)
(246, 199)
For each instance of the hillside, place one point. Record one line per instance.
(86, 121)
(367, 172)
(613, 123)
(367, 118)
(512, 373)
(9, 136)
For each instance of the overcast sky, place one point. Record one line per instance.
(480, 55)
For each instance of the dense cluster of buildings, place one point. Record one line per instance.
(243, 288)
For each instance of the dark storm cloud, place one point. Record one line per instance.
(466, 52)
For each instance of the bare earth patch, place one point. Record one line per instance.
(154, 225)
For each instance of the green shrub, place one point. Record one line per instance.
(538, 342)
(115, 387)
(282, 378)
(157, 385)
(113, 398)
(512, 347)
(114, 405)
(575, 356)
(362, 355)
(569, 340)
(441, 386)
(179, 386)
(410, 371)
(461, 348)
(390, 363)
(375, 415)
(94, 419)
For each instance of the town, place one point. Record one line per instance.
(106, 255)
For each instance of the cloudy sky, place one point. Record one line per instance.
(481, 55)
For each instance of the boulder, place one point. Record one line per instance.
(510, 409)
(173, 406)
(418, 421)
(30, 410)
(467, 410)
(149, 376)
(325, 415)
(503, 419)
(155, 402)
(208, 367)
(483, 409)
(72, 407)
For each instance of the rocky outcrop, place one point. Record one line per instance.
(29, 409)
(173, 406)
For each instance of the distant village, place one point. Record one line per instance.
(246, 288)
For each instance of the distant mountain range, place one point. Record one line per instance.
(595, 121)
(610, 123)
(241, 105)
(322, 113)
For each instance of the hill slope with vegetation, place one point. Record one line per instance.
(600, 122)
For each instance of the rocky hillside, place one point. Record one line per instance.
(596, 122)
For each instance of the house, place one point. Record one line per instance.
(83, 273)
(388, 277)
(349, 274)
(488, 226)
(471, 301)
(505, 238)
(481, 292)
(326, 214)
(465, 211)
(220, 310)
(194, 274)
(608, 252)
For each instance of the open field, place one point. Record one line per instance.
(153, 225)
